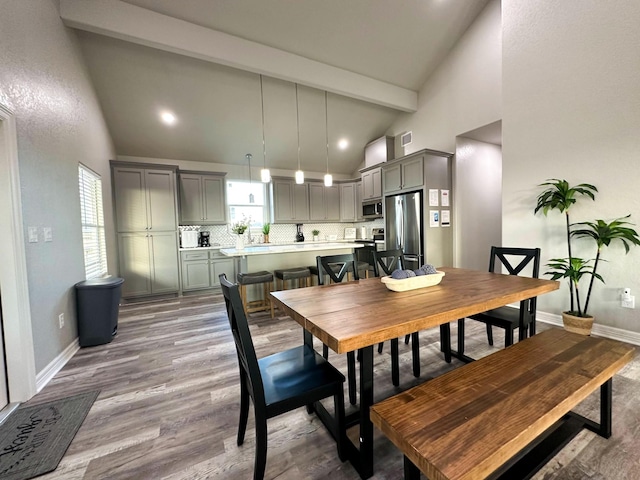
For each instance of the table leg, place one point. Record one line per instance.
(307, 338)
(366, 400)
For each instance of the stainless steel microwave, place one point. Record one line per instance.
(372, 209)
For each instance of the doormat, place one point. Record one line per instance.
(34, 438)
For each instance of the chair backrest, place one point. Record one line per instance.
(385, 262)
(523, 257)
(346, 263)
(247, 359)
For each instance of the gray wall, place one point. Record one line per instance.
(571, 105)
(43, 80)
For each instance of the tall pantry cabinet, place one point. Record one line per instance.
(146, 221)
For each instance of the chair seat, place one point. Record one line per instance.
(255, 277)
(503, 317)
(296, 377)
(292, 273)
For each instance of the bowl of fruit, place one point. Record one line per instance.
(403, 280)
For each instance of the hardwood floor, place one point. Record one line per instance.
(168, 405)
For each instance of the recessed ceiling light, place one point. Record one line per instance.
(342, 144)
(168, 118)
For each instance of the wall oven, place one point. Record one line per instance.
(372, 209)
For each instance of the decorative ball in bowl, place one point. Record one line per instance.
(403, 280)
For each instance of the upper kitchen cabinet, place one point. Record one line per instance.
(324, 203)
(350, 201)
(403, 175)
(371, 183)
(289, 201)
(202, 199)
(145, 199)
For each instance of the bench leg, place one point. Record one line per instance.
(395, 360)
(415, 353)
(411, 472)
(445, 341)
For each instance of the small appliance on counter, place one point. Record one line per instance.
(361, 233)
(204, 240)
(350, 233)
(377, 234)
(299, 235)
(189, 239)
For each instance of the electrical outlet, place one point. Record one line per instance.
(628, 302)
(61, 320)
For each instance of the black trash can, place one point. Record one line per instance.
(97, 302)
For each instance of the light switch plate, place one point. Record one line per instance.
(33, 234)
(47, 233)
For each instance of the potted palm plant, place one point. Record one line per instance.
(266, 228)
(316, 235)
(559, 195)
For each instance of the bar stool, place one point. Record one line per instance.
(299, 273)
(266, 279)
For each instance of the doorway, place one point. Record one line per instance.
(478, 188)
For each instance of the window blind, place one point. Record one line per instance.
(92, 218)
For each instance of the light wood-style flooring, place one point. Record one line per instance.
(168, 404)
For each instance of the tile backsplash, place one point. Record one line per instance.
(283, 233)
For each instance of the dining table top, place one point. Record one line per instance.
(357, 314)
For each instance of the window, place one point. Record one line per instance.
(246, 200)
(95, 253)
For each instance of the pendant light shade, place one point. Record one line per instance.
(265, 175)
(328, 178)
(299, 172)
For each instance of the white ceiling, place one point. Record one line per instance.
(218, 107)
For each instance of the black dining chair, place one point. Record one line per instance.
(280, 382)
(514, 260)
(336, 267)
(384, 263)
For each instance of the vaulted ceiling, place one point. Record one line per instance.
(202, 60)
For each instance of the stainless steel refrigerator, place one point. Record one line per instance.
(404, 227)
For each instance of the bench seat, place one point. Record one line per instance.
(478, 420)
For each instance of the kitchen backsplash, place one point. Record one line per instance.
(283, 233)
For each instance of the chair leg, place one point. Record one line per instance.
(490, 334)
(380, 345)
(325, 351)
(244, 412)
(460, 336)
(341, 428)
(261, 449)
(415, 351)
(406, 339)
(395, 361)
(445, 341)
(508, 337)
(351, 376)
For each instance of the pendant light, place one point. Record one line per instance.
(328, 178)
(265, 175)
(252, 199)
(299, 172)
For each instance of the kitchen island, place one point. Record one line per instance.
(270, 257)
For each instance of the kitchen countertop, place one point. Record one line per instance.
(269, 248)
(231, 247)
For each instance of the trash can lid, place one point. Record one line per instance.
(107, 282)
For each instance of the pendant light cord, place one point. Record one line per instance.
(326, 126)
(298, 124)
(264, 147)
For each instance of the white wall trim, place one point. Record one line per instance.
(16, 310)
(56, 364)
(135, 24)
(598, 330)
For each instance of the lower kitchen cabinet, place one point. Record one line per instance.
(201, 269)
(148, 263)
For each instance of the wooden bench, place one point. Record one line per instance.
(507, 414)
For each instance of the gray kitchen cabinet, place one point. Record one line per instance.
(372, 184)
(148, 263)
(145, 199)
(290, 201)
(324, 203)
(202, 199)
(359, 217)
(403, 175)
(201, 269)
(348, 210)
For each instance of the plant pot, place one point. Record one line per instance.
(240, 242)
(581, 325)
(316, 238)
(266, 237)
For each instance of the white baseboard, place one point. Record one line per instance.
(56, 365)
(598, 330)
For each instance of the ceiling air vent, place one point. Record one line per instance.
(405, 139)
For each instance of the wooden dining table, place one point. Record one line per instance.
(359, 314)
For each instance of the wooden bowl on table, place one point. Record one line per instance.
(411, 283)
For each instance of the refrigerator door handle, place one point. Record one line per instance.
(413, 258)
